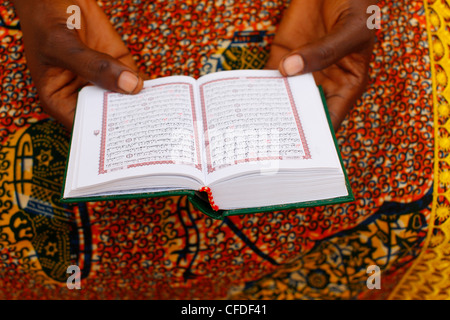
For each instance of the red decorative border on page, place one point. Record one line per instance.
(297, 120)
(198, 166)
(294, 110)
(103, 137)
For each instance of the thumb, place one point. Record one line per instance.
(345, 39)
(103, 70)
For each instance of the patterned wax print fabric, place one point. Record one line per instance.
(395, 146)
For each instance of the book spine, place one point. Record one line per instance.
(210, 198)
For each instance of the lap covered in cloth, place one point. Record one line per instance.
(394, 144)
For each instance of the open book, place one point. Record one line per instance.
(236, 142)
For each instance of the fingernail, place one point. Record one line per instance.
(128, 81)
(293, 65)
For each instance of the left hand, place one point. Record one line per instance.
(329, 38)
(62, 60)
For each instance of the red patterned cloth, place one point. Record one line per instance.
(163, 248)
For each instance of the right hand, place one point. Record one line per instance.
(63, 60)
(329, 38)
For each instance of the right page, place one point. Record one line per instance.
(260, 128)
(257, 119)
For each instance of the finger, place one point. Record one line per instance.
(99, 68)
(338, 107)
(277, 53)
(349, 35)
(341, 95)
(106, 72)
(129, 61)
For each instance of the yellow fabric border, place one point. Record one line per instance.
(429, 275)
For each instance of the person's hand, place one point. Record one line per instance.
(329, 38)
(62, 61)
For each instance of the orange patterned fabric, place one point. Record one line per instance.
(163, 248)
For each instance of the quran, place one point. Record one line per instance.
(234, 142)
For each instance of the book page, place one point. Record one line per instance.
(155, 131)
(259, 120)
(152, 128)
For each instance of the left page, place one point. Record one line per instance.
(121, 137)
